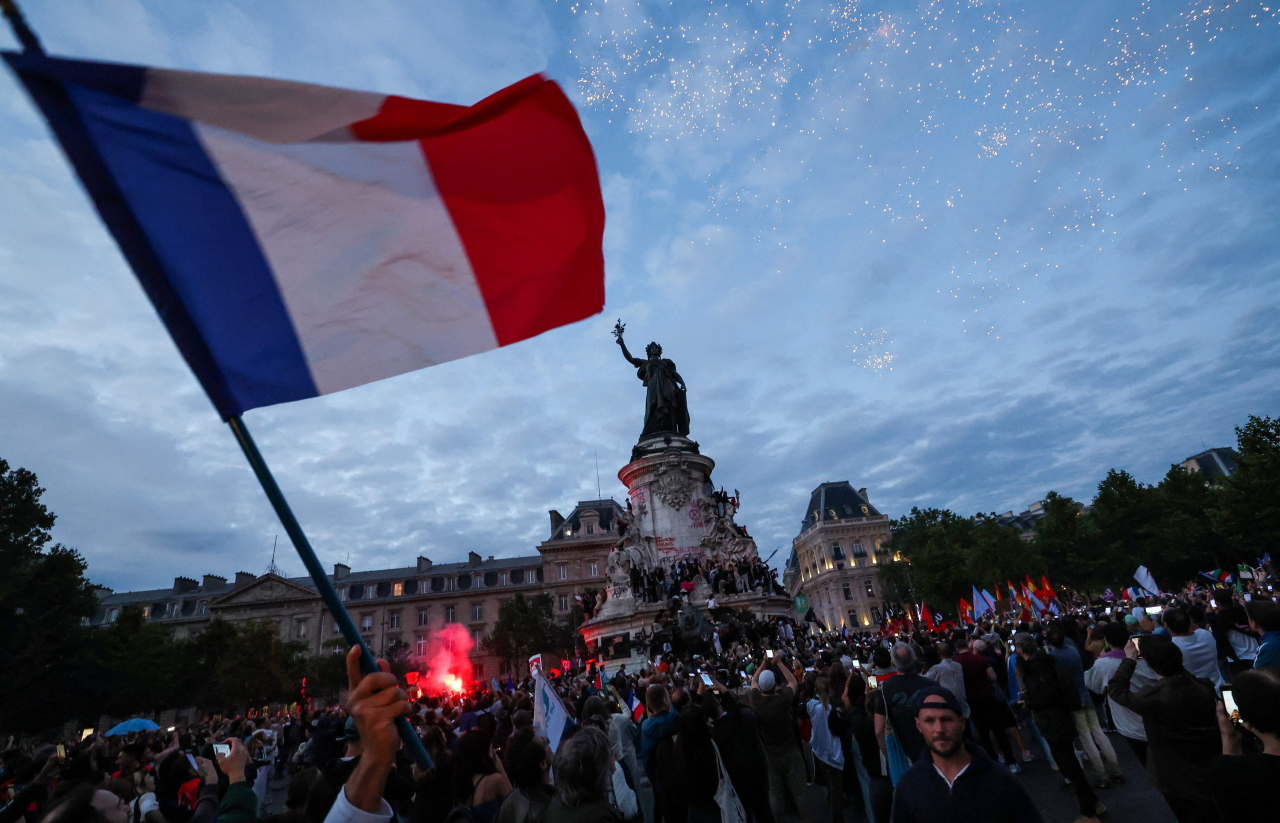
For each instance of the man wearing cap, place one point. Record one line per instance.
(777, 732)
(955, 781)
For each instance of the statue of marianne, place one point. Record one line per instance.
(665, 408)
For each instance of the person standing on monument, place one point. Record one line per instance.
(665, 408)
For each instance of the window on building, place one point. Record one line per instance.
(562, 572)
(424, 586)
(837, 553)
(476, 636)
(517, 576)
(591, 528)
(853, 617)
(859, 550)
(477, 611)
(448, 614)
(203, 608)
(591, 569)
(848, 592)
(112, 615)
(302, 630)
(397, 589)
(477, 671)
(875, 615)
(422, 617)
(504, 667)
(335, 627)
(371, 590)
(563, 602)
(342, 593)
(506, 578)
(871, 592)
(366, 623)
(422, 647)
(449, 584)
(394, 618)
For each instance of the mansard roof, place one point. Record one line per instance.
(837, 501)
(606, 510)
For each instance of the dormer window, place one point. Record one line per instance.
(371, 590)
(591, 528)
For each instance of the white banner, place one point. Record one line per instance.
(549, 715)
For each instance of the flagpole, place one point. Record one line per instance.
(323, 584)
(27, 37)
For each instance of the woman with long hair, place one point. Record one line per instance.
(828, 752)
(479, 781)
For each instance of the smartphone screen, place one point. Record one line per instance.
(706, 678)
(1137, 644)
(1154, 609)
(872, 682)
(191, 759)
(222, 749)
(1229, 700)
(84, 735)
(769, 653)
(1213, 603)
(62, 753)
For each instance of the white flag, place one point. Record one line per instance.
(1146, 581)
(549, 715)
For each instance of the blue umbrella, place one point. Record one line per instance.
(137, 724)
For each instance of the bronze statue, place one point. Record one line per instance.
(665, 409)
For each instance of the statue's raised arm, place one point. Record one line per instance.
(618, 329)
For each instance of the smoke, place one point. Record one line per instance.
(448, 666)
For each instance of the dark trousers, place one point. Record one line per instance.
(986, 715)
(835, 790)
(1065, 755)
(1139, 748)
(1193, 809)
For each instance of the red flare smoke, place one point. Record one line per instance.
(448, 666)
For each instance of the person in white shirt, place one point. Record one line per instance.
(949, 674)
(1199, 649)
(1128, 722)
(827, 751)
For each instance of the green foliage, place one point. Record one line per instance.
(948, 554)
(1247, 511)
(527, 625)
(43, 598)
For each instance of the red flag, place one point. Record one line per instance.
(928, 618)
(966, 612)
(599, 685)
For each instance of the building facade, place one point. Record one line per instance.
(835, 558)
(398, 607)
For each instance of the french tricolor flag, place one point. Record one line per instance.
(637, 708)
(298, 240)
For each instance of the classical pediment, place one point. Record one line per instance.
(266, 589)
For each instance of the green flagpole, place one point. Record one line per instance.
(323, 584)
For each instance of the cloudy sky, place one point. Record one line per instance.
(960, 253)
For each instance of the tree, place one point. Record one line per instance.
(1247, 514)
(1068, 553)
(934, 542)
(1184, 539)
(999, 554)
(44, 597)
(524, 626)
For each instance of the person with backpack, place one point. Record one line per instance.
(896, 731)
(1051, 697)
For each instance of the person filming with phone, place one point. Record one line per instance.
(1179, 715)
(1245, 783)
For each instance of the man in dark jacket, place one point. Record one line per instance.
(1051, 697)
(1179, 713)
(736, 736)
(954, 781)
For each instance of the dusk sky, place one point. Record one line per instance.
(960, 253)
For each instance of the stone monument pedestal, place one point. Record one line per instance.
(674, 513)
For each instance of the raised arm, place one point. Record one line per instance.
(633, 361)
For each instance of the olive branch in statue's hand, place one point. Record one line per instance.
(618, 329)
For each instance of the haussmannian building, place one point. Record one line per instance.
(835, 557)
(398, 607)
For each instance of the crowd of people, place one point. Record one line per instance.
(928, 725)
(668, 580)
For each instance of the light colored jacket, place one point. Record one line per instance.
(1128, 722)
(1200, 656)
(824, 745)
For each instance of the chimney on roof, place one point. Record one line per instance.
(862, 492)
(181, 585)
(244, 579)
(490, 558)
(424, 563)
(557, 519)
(213, 581)
(340, 570)
(473, 559)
